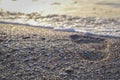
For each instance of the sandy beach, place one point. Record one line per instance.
(31, 53)
(59, 40)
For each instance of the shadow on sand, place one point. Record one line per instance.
(97, 51)
(94, 38)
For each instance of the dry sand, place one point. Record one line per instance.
(29, 53)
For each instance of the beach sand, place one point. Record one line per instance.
(31, 53)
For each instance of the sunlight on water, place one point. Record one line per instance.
(28, 6)
(69, 7)
(86, 16)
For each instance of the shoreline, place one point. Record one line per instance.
(71, 31)
(87, 25)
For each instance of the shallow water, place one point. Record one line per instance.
(99, 8)
(87, 16)
(87, 25)
(116, 5)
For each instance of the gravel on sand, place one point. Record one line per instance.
(28, 53)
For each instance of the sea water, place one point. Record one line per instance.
(66, 18)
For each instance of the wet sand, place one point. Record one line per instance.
(29, 53)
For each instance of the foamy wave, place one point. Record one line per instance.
(73, 30)
(107, 31)
(65, 29)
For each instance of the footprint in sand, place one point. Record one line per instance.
(85, 39)
(98, 51)
(93, 55)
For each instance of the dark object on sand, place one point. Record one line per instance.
(86, 39)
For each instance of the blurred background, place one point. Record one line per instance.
(100, 8)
